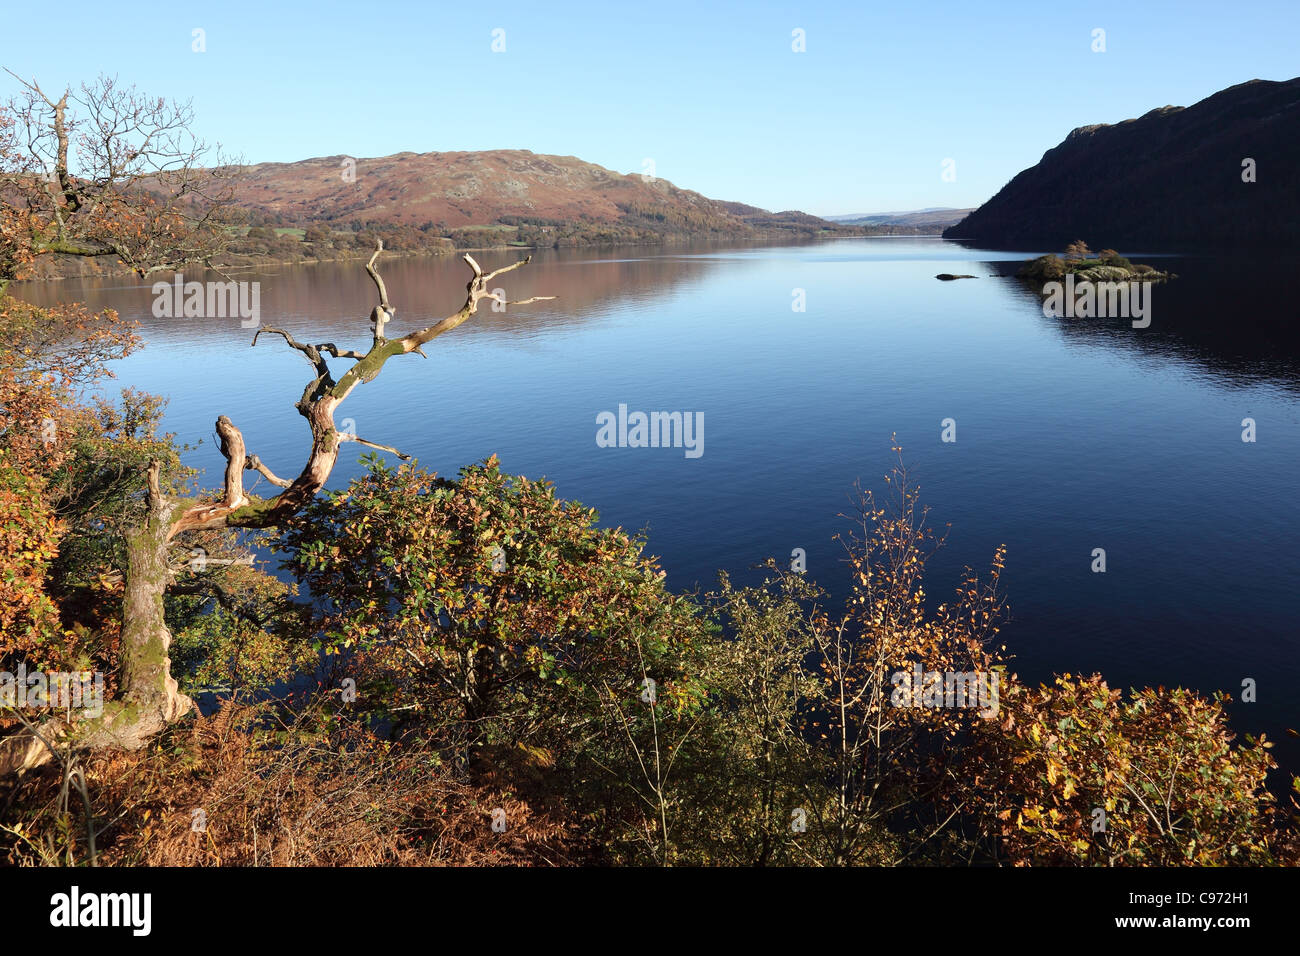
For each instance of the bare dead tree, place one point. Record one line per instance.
(149, 698)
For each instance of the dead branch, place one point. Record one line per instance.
(232, 447)
(346, 436)
(312, 352)
(374, 274)
(383, 312)
(255, 464)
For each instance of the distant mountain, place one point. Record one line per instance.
(520, 195)
(936, 217)
(1172, 177)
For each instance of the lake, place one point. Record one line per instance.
(1071, 434)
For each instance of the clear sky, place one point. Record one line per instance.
(862, 121)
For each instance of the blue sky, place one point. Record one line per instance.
(860, 122)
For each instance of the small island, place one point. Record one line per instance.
(1104, 266)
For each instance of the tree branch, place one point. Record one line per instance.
(476, 290)
(383, 312)
(255, 464)
(319, 402)
(347, 436)
(232, 446)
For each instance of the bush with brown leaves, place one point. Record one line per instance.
(248, 787)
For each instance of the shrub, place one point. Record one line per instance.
(805, 710)
(29, 535)
(317, 233)
(487, 601)
(1076, 775)
(1043, 269)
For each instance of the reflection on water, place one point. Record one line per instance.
(1072, 434)
(1230, 314)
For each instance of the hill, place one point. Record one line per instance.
(921, 220)
(507, 195)
(1171, 177)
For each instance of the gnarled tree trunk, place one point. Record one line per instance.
(148, 689)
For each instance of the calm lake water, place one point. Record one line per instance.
(1072, 434)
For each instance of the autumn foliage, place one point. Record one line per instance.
(29, 536)
(1077, 773)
